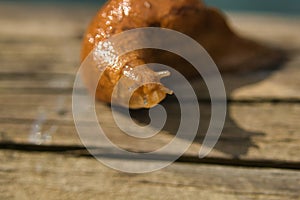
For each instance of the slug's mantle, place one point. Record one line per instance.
(206, 25)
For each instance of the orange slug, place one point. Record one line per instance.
(206, 25)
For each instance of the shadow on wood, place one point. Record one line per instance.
(234, 140)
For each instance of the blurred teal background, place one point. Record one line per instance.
(287, 7)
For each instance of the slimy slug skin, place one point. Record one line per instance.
(206, 25)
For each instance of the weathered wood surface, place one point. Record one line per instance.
(55, 50)
(38, 62)
(252, 131)
(55, 176)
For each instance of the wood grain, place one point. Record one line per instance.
(41, 47)
(54, 176)
(39, 58)
(41, 78)
(252, 130)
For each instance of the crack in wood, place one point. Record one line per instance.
(76, 150)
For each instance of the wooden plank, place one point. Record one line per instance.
(41, 47)
(269, 28)
(31, 41)
(35, 80)
(57, 176)
(278, 31)
(38, 65)
(28, 55)
(281, 84)
(40, 21)
(252, 130)
(35, 99)
(270, 128)
(17, 127)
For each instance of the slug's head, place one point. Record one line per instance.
(140, 87)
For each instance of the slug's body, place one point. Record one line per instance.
(191, 17)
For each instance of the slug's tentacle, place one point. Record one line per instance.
(191, 17)
(140, 87)
(163, 74)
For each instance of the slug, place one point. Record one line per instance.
(206, 25)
